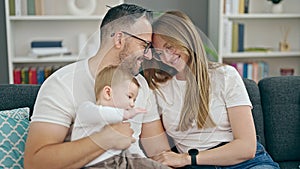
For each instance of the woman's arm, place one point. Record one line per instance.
(242, 148)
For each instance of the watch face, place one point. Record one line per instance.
(193, 152)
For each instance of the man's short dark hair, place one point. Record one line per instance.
(122, 10)
(123, 15)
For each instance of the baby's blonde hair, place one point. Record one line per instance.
(112, 74)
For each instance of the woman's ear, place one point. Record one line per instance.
(107, 92)
(118, 40)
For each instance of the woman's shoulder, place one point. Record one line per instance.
(223, 70)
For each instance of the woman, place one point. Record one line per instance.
(205, 106)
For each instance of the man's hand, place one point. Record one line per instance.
(128, 114)
(117, 136)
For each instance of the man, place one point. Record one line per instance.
(125, 38)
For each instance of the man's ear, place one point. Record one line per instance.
(107, 92)
(118, 40)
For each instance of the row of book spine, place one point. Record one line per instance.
(26, 7)
(33, 75)
(252, 70)
(233, 37)
(236, 6)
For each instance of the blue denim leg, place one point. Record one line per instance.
(262, 160)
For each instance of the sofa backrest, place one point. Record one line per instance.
(257, 113)
(17, 96)
(281, 106)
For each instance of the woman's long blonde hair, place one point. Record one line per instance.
(177, 29)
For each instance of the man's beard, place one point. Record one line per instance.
(130, 62)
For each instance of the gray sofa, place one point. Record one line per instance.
(276, 112)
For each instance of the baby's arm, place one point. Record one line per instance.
(128, 114)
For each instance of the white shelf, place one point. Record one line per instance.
(262, 29)
(261, 55)
(52, 59)
(56, 23)
(261, 16)
(55, 18)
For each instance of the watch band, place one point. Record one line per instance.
(194, 160)
(193, 153)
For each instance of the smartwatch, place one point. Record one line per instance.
(193, 153)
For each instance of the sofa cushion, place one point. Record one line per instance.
(257, 113)
(281, 106)
(13, 133)
(16, 96)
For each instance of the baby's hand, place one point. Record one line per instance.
(128, 114)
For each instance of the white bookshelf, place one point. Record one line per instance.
(52, 59)
(56, 23)
(261, 55)
(243, 17)
(262, 29)
(56, 18)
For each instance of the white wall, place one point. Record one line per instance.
(197, 10)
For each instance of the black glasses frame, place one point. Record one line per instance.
(148, 46)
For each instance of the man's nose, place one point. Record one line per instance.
(148, 55)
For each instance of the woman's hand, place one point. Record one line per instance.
(173, 159)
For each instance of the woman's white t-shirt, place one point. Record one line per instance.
(227, 90)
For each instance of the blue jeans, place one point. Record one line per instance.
(262, 160)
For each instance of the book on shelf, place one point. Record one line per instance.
(17, 76)
(47, 71)
(46, 44)
(227, 33)
(48, 48)
(48, 52)
(24, 75)
(235, 34)
(236, 6)
(246, 6)
(241, 6)
(40, 75)
(241, 32)
(237, 37)
(33, 75)
(39, 7)
(18, 7)
(35, 7)
(12, 10)
(31, 7)
(245, 70)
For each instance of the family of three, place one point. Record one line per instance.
(103, 112)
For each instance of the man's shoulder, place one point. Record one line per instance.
(69, 71)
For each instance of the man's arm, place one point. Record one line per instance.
(153, 133)
(45, 146)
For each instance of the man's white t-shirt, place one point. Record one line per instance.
(61, 94)
(227, 90)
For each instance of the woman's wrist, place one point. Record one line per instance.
(186, 159)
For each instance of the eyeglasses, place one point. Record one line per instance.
(148, 44)
(158, 55)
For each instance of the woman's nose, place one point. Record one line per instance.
(168, 57)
